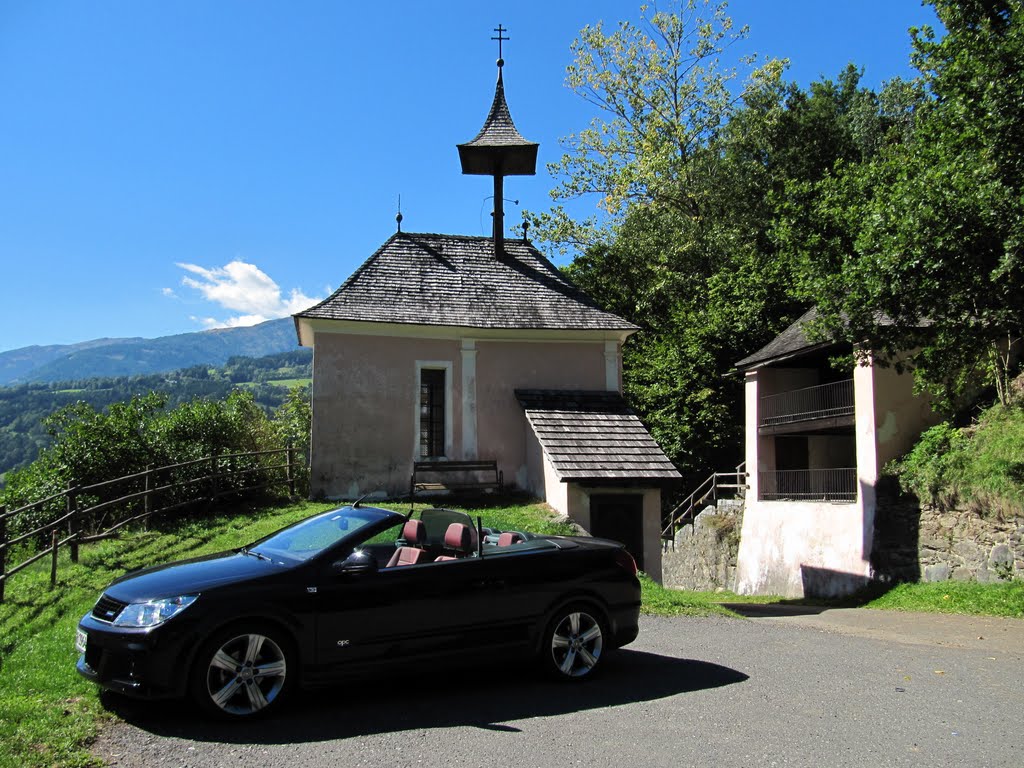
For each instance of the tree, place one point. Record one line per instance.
(917, 254)
(663, 99)
(707, 290)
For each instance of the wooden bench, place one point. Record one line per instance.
(482, 475)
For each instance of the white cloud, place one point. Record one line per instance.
(169, 293)
(245, 289)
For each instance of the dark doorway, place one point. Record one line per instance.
(792, 478)
(432, 415)
(791, 452)
(620, 517)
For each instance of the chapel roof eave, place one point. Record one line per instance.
(456, 281)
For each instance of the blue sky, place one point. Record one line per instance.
(167, 167)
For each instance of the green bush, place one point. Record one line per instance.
(929, 469)
(982, 465)
(93, 446)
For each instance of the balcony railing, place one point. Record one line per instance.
(808, 485)
(824, 401)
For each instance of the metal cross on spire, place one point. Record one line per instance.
(500, 29)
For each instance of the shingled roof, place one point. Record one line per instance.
(790, 343)
(455, 280)
(594, 436)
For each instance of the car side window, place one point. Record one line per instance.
(387, 536)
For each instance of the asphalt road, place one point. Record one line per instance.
(713, 691)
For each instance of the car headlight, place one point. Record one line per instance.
(153, 612)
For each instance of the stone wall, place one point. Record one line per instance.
(912, 542)
(704, 555)
(919, 542)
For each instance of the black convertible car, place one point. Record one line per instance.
(348, 590)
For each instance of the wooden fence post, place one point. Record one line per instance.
(215, 485)
(147, 503)
(3, 552)
(54, 538)
(290, 469)
(72, 507)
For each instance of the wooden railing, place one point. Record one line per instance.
(710, 490)
(100, 510)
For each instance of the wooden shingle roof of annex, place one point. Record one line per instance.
(792, 342)
(456, 280)
(594, 436)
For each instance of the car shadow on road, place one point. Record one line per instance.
(489, 698)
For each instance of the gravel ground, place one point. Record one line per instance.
(708, 691)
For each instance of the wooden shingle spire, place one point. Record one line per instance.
(499, 150)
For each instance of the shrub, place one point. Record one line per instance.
(982, 465)
(92, 446)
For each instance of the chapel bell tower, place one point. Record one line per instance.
(499, 150)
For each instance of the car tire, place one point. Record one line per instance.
(574, 643)
(243, 671)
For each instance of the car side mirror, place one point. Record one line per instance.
(358, 563)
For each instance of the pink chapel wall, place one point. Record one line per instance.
(366, 390)
(503, 367)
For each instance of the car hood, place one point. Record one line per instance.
(189, 577)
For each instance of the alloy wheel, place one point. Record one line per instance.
(246, 674)
(576, 644)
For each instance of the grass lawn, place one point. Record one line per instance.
(48, 714)
(998, 599)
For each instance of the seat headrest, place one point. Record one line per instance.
(509, 538)
(458, 537)
(414, 532)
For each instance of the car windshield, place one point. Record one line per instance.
(312, 536)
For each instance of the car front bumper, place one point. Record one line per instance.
(143, 663)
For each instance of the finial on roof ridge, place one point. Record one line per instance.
(501, 61)
(398, 216)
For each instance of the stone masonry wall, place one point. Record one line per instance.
(704, 555)
(920, 542)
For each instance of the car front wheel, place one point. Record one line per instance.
(573, 643)
(243, 672)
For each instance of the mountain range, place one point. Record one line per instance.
(131, 356)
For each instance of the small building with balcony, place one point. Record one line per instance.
(816, 441)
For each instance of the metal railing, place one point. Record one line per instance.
(838, 484)
(709, 491)
(823, 401)
(99, 511)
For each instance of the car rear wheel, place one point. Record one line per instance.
(574, 642)
(243, 672)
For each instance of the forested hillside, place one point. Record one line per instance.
(136, 356)
(24, 409)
